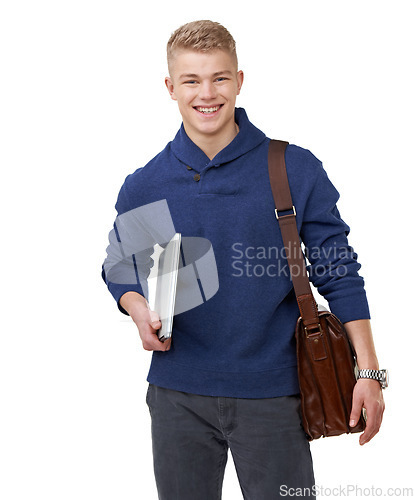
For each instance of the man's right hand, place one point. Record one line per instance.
(147, 321)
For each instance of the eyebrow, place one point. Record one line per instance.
(193, 75)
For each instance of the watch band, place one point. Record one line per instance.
(380, 375)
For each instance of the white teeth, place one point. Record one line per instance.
(208, 110)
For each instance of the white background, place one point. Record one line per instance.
(83, 104)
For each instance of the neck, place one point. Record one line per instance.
(211, 145)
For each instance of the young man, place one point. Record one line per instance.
(228, 378)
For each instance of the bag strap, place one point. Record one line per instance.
(287, 222)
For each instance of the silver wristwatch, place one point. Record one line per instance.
(380, 375)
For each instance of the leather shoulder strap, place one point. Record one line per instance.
(287, 222)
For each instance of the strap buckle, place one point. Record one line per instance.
(312, 330)
(286, 215)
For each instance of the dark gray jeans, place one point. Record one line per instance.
(191, 435)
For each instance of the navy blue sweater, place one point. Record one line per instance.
(240, 342)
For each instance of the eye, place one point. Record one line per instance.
(222, 78)
(190, 82)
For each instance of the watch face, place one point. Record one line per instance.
(385, 377)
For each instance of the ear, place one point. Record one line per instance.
(170, 86)
(240, 79)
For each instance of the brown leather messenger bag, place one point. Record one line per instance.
(325, 356)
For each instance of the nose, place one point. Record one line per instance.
(207, 90)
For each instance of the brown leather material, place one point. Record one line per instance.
(317, 346)
(308, 310)
(326, 358)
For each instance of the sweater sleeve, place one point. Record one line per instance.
(128, 262)
(333, 265)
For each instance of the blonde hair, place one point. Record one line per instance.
(202, 36)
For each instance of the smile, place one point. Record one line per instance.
(208, 110)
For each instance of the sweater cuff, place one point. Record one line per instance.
(351, 307)
(118, 290)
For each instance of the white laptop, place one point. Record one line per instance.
(166, 286)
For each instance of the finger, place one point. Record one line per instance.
(148, 330)
(155, 321)
(153, 315)
(369, 431)
(381, 414)
(373, 424)
(153, 344)
(156, 325)
(151, 319)
(356, 410)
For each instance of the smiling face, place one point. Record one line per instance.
(205, 86)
